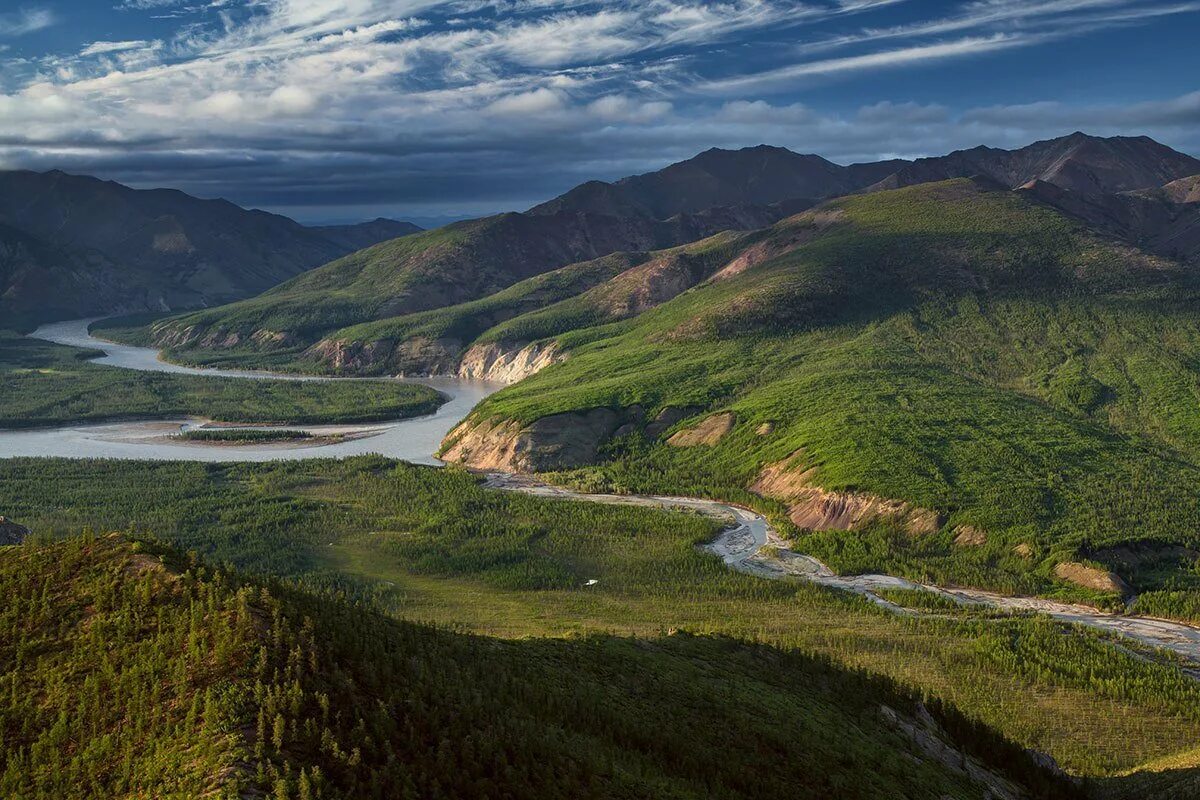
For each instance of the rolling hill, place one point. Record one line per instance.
(131, 671)
(73, 246)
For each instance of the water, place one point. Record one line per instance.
(415, 439)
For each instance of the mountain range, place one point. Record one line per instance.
(74, 246)
(371, 311)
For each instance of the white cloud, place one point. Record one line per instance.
(291, 100)
(26, 20)
(99, 48)
(537, 102)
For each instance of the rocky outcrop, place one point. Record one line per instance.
(11, 532)
(710, 431)
(814, 508)
(558, 441)
(969, 536)
(1090, 577)
(508, 364)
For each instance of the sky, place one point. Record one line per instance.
(339, 110)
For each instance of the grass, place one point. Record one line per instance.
(431, 546)
(50, 384)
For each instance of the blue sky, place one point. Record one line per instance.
(333, 110)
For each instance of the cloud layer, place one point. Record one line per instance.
(339, 108)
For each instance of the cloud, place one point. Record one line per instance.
(971, 46)
(98, 48)
(26, 20)
(473, 105)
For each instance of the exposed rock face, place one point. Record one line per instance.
(1023, 550)
(710, 431)
(508, 364)
(968, 536)
(11, 532)
(557, 441)
(1090, 577)
(817, 509)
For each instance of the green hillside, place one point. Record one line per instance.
(958, 349)
(456, 264)
(129, 671)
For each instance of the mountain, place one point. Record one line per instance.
(1080, 163)
(453, 264)
(752, 176)
(1161, 220)
(909, 364)
(365, 234)
(135, 672)
(91, 247)
(373, 312)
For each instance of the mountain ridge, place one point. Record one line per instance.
(107, 247)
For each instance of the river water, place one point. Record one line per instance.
(415, 439)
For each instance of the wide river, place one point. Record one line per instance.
(415, 439)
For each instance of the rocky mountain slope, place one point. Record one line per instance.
(77, 246)
(137, 673)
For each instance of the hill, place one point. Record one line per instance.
(917, 361)
(133, 672)
(78, 246)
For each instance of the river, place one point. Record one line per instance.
(415, 439)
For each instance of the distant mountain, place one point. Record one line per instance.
(77, 245)
(752, 176)
(365, 234)
(1079, 163)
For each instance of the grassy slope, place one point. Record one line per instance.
(430, 545)
(963, 351)
(129, 672)
(46, 384)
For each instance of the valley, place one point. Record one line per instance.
(924, 429)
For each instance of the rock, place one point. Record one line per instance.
(710, 431)
(1090, 577)
(814, 508)
(11, 532)
(968, 536)
(765, 429)
(558, 441)
(1023, 550)
(508, 363)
